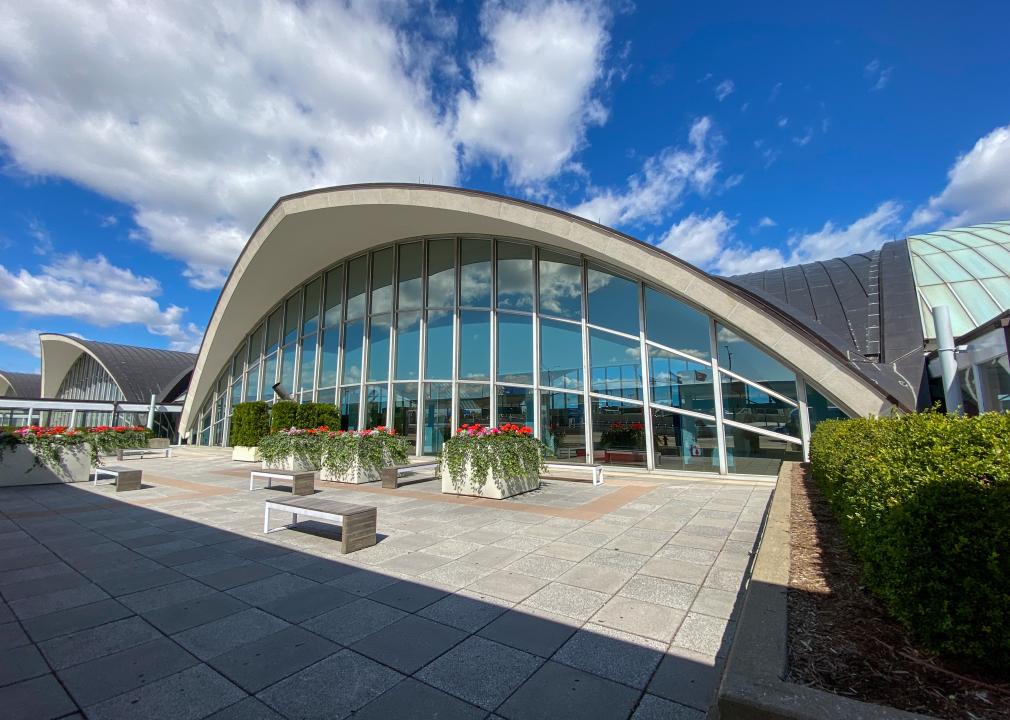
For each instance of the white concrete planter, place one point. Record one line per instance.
(158, 443)
(488, 488)
(291, 463)
(18, 467)
(245, 453)
(355, 474)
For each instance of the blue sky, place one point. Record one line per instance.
(141, 144)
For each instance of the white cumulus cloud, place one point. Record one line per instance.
(724, 89)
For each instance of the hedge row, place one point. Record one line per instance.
(254, 420)
(924, 501)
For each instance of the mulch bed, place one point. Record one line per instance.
(841, 639)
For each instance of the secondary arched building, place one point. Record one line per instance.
(426, 307)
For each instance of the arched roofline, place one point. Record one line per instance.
(301, 229)
(59, 352)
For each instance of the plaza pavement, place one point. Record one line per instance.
(169, 602)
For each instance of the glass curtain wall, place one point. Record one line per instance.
(426, 335)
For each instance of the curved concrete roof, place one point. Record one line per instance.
(139, 372)
(306, 232)
(20, 385)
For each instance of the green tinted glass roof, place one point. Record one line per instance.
(967, 269)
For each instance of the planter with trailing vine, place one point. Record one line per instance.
(359, 456)
(42, 456)
(491, 462)
(294, 449)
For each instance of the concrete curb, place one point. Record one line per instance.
(752, 685)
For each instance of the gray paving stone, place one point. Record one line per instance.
(260, 663)
(560, 692)
(130, 581)
(36, 699)
(544, 567)
(190, 613)
(263, 592)
(465, 610)
(493, 557)
(53, 602)
(323, 570)
(597, 577)
(12, 636)
(171, 594)
(112, 675)
(663, 592)
(703, 634)
(409, 644)
(540, 634)
(672, 569)
(85, 645)
(452, 548)
(408, 595)
(699, 556)
(566, 551)
(363, 582)
(414, 563)
(42, 586)
(184, 555)
(714, 602)
(219, 636)
(412, 700)
(212, 565)
(687, 678)
(481, 671)
(34, 572)
(248, 709)
(656, 708)
(73, 619)
(722, 579)
(572, 602)
(507, 585)
(21, 663)
(188, 695)
(616, 559)
(612, 654)
(236, 575)
(301, 605)
(351, 622)
(332, 688)
(649, 620)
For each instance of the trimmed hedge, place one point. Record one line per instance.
(924, 502)
(250, 421)
(288, 414)
(283, 414)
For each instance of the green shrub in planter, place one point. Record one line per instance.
(314, 415)
(283, 415)
(924, 501)
(250, 421)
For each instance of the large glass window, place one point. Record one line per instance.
(252, 385)
(821, 408)
(475, 273)
(750, 405)
(375, 410)
(287, 379)
(405, 412)
(354, 333)
(560, 285)
(255, 345)
(273, 335)
(618, 433)
(743, 358)
(307, 371)
(474, 345)
(616, 367)
(292, 310)
(357, 279)
(408, 345)
(749, 453)
(613, 301)
(441, 273)
(672, 323)
(437, 416)
(560, 355)
(474, 404)
(409, 272)
(679, 382)
(334, 292)
(310, 323)
(269, 378)
(331, 349)
(515, 276)
(350, 400)
(516, 405)
(438, 344)
(684, 442)
(515, 348)
(382, 281)
(994, 378)
(378, 348)
(562, 425)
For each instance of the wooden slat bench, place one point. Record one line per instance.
(392, 476)
(124, 453)
(303, 482)
(596, 470)
(357, 522)
(126, 478)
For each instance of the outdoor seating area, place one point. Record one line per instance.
(570, 601)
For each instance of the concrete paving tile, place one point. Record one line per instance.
(41, 697)
(363, 582)
(42, 586)
(566, 551)
(270, 589)
(21, 663)
(540, 634)
(630, 544)
(455, 574)
(703, 634)
(480, 671)
(32, 607)
(85, 645)
(188, 695)
(237, 575)
(687, 678)
(656, 708)
(412, 700)
(409, 644)
(612, 654)
(658, 590)
(112, 675)
(248, 709)
(260, 663)
(616, 559)
(597, 577)
(698, 556)
(408, 595)
(544, 567)
(209, 566)
(507, 585)
(672, 569)
(12, 636)
(560, 692)
(148, 600)
(697, 541)
(452, 548)
(73, 619)
(323, 570)
(130, 581)
(414, 563)
(714, 602)
(465, 610)
(349, 623)
(729, 580)
(34, 572)
(219, 636)
(523, 543)
(314, 693)
(301, 605)
(196, 611)
(566, 600)
(492, 557)
(641, 618)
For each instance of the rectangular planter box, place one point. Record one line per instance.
(355, 474)
(18, 467)
(489, 488)
(245, 453)
(291, 463)
(158, 443)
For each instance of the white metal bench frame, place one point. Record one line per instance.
(271, 475)
(401, 470)
(121, 453)
(597, 470)
(115, 472)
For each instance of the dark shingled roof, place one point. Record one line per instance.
(864, 306)
(23, 385)
(141, 372)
